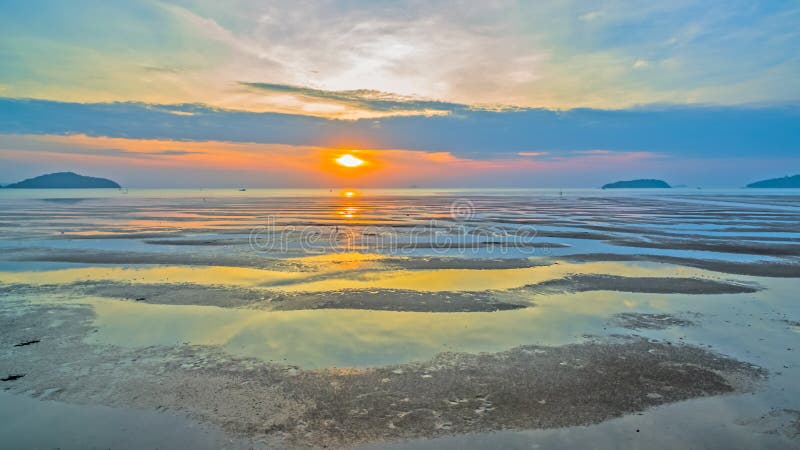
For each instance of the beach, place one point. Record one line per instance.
(400, 318)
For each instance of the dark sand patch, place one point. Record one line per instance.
(233, 297)
(199, 242)
(627, 228)
(173, 293)
(651, 285)
(781, 421)
(125, 258)
(67, 201)
(526, 387)
(646, 321)
(430, 263)
(751, 238)
(792, 429)
(121, 235)
(523, 388)
(377, 299)
(763, 227)
(12, 377)
(572, 235)
(740, 247)
(473, 245)
(250, 259)
(757, 268)
(153, 293)
(400, 300)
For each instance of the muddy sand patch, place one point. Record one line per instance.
(648, 285)
(779, 269)
(649, 321)
(522, 388)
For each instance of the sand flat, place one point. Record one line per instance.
(385, 321)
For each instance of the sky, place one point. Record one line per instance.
(202, 93)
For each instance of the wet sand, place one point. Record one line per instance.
(652, 285)
(787, 269)
(371, 283)
(387, 321)
(73, 426)
(525, 387)
(644, 321)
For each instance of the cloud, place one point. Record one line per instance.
(593, 152)
(591, 16)
(544, 54)
(173, 153)
(219, 163)
(351, 104)
(236, 164)
(690, 131)
(101, 147)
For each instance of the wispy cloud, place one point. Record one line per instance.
(548, 54)
(101, 147)
(350, 104)
(173, 152)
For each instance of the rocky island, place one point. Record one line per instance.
(64, 180)
(637, 184)
(785, 182)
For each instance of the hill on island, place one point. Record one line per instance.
(785, 182)
(637, 184)
(63, 180)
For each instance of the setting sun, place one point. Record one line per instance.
(349, 161)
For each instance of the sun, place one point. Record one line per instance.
(349, 160)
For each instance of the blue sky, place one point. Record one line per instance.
(666, 90)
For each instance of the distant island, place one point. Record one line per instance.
(637, 184)
(785, 182)
(63, 180)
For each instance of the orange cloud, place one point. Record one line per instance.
(279, 165)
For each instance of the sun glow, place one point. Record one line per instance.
(348, 212)
(349, 160)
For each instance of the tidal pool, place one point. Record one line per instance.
(344, 338)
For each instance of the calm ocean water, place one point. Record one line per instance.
(216, 193)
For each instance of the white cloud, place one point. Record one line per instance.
(452, 53)
(592, 16)
(548, 54)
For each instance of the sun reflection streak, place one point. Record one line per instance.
(349, 212)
